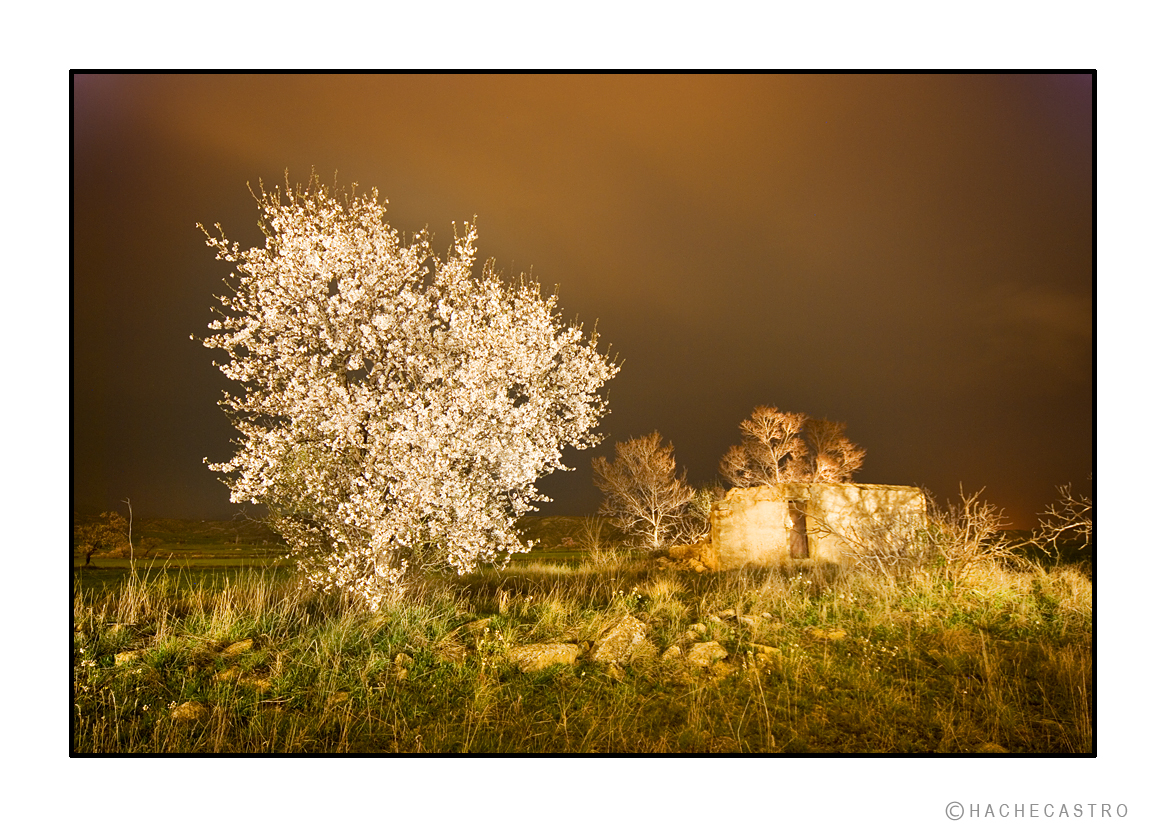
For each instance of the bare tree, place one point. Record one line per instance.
(771, 450)
(972, 532)
(886, 541)
(956, 538)
(698, 516)
(1069, 518)
(642, 492)
(831, 457)
(99, 533)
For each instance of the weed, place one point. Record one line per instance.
(820, 659)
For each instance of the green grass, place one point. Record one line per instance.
(828, 662)
(242, 542)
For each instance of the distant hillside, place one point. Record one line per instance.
(547, 532)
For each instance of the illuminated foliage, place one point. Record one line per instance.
(831, 457)
(395, 410)
(781, 447)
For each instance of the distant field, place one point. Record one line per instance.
(191, 546)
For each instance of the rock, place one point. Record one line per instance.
(238, 648)
(537, 656)
(228, 674)
(672, 653)
(695, 632)
(764, 653)
(749, 621)
(828, 634)
(126, 658)
(258, 685)
(706, 654)
(697, 557)
(681, 552)
(189, 711)
(621, 642)
(727, 614)
(615, 672)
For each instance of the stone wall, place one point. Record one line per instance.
(769, 525)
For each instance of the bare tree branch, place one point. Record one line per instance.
(771, 450)
(831, 456)
(642, 492)
(1070, 517)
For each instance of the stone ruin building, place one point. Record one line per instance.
(773, 524)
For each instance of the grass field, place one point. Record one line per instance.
(238, 658)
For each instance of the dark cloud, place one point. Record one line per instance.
(910, 254)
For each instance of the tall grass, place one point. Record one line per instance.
(819, 659)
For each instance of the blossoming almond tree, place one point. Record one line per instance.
(395, 410)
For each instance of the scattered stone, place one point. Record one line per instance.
(126, 658)
(614, 671)
(765, 653)
(258, 685)
(537, 656)
(696, 557)
(727, 614)
(189, 711)
(621, 642)
(228, 674)
(706, 654)
(828, 634)
(238, 648)
(695, 632)
(749, 621)
(672, 653)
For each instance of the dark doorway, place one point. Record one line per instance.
(799, 547)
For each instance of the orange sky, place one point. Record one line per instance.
(912, 255)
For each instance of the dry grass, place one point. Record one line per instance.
(819, 660)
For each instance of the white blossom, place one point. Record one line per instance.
(395, 411)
